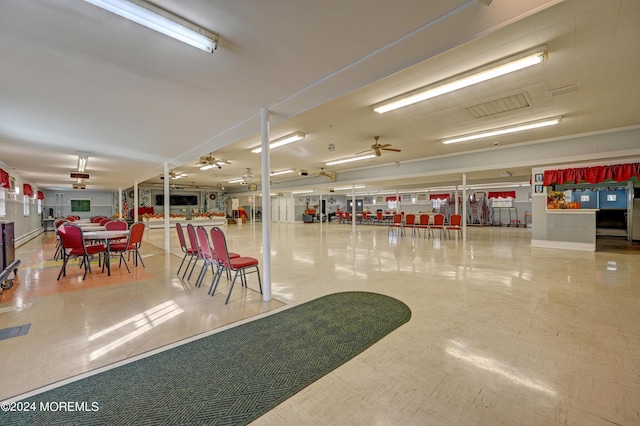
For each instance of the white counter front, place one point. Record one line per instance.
(573, 229)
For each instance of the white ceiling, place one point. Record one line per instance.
(77, 78)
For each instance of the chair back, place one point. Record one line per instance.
(455, 219)
(181, 239)
(58, 222)
(204, 244)
(347, 216)
(364, 215)
(410, 219)
(103, 221)
(424, 219)
(71, 218)
(438, 219)
(71, 237)
(116, 225)
(193, 239)
(220, 251)
(380, 217)
(397, 218)
(136, 233)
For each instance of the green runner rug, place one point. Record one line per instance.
(229, 378)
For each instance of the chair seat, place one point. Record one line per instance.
(121, 246)
(91, 249)
(243, 262)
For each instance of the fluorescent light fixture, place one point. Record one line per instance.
(474, 77)
(207, 167)
(349, 187)
(294, 137)
(350, 159)
(308, 191)
(82, 163)
(282, 172)
(160, 20)
(505, 130)
(236, 180)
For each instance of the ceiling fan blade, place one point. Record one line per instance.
(378, 153)
(392, 149)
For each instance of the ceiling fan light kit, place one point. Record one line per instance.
(467, 79)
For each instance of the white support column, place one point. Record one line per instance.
(455, 199)
(166, 209)
(266, 208)
(464, 207)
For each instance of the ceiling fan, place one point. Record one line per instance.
(378, 147)
(175, 175)
(209, 161)
(330, 175)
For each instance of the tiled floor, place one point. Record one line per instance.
(501, 333)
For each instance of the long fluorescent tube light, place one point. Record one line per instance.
(160, 20)
(349, 187)
(350, 159)
(309, 191)
(236, 180)
(505, 130)
(429, 92)
(294, 137)
(207, 167)
(82, 164)
(282, 172)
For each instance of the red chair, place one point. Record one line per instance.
(347, 217)
(423, 223)
(455, 222)
(209, 257)
(116, 225)
(71, 218)
(193, 242)
(188, 251)
(73, 245)
(410, 222)
(340, 217)
(240, 265)
(396, 223)
(103, 221)
(132, 245)
(438, 223)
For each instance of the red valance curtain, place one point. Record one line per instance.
(596, 174)
(28, 190)
(4, 179)
(390, 199)
(439, 196)
(503, 194)
(40, 195)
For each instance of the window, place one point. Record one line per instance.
(39, 207)
(26, 204)
(3, 202)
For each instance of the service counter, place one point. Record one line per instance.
(572, 229)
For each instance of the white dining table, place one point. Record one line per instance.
(107, 237)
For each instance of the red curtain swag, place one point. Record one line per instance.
(439, 196)
(596, 174)
(391, 199)
(504, 194)
(40, 195)
(4, 179)
(28, 190)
